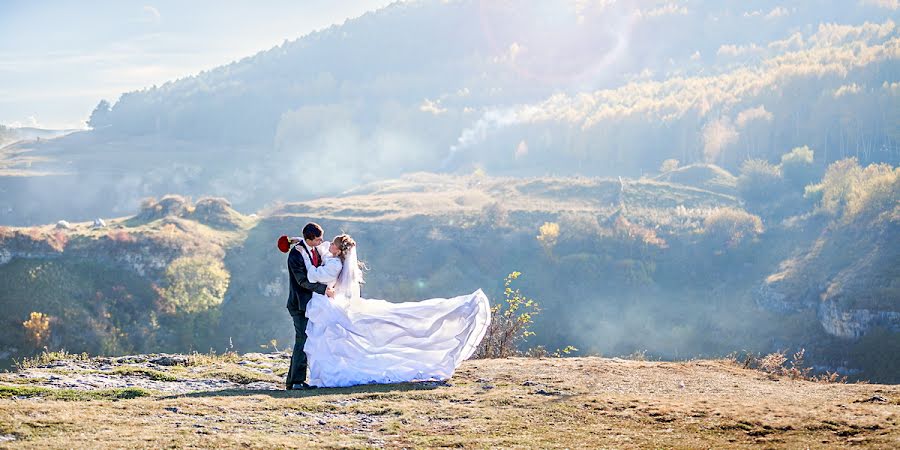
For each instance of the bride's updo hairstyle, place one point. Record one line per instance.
(344, 242)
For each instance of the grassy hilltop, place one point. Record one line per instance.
(153, 401)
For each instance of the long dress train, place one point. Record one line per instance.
(351, 340)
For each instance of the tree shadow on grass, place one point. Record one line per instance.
(360, 389)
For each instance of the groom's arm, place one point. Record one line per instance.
(298, 271)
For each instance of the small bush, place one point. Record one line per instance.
(121, 236)
(731, 226)
(774, 364)
(37, 329)
(637, 355)
(548, 236)
(212, 358)
(849, 191)
(58, 240)
(47, 357)
(630, 231)
(194, 284)
(876, 191)
(509, 325)
(759, 181)
(797, 166)
(835, 187)
(668, 165)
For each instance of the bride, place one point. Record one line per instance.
(352, 340)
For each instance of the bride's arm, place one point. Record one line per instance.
(326, 273)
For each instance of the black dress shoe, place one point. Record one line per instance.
(302, 386)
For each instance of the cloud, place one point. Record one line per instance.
(669, 8)
(433, 107)
(151, 14)
(777, 12)
(30, 122)
(510, 54)
(521, 150)
(889, 4)
(582, 6)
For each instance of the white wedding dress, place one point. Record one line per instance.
(352, 340)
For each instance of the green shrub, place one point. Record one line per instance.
(195, 284)
(731, 226)
(797, 166)
(548, 236)
(760, 182)
(509, 325)
(195, 288)
(835, 186)
(877, 190)
(849, 191)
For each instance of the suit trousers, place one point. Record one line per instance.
(297, 372)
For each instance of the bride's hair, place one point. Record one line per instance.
(344, 243)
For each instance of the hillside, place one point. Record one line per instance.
(9, 135)
(152, 401)
(616, 265)
(512, 88)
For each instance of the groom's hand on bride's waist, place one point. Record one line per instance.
(329, 292)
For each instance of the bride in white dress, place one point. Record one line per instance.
(352, 340)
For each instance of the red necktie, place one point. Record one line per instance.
(315, 257)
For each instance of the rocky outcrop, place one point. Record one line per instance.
(854, 323)
(836, 319)
(769, 298)
(772, 297)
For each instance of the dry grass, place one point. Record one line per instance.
(434, 195)
(517, 402)
(48, 357)
(144, 372)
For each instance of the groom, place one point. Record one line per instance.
(300, 293)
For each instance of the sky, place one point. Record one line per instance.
(58, 59)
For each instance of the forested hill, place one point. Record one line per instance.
(697, 266)
(454, 86)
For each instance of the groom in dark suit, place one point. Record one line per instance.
(299, 296)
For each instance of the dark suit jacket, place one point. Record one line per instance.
(301, 289)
